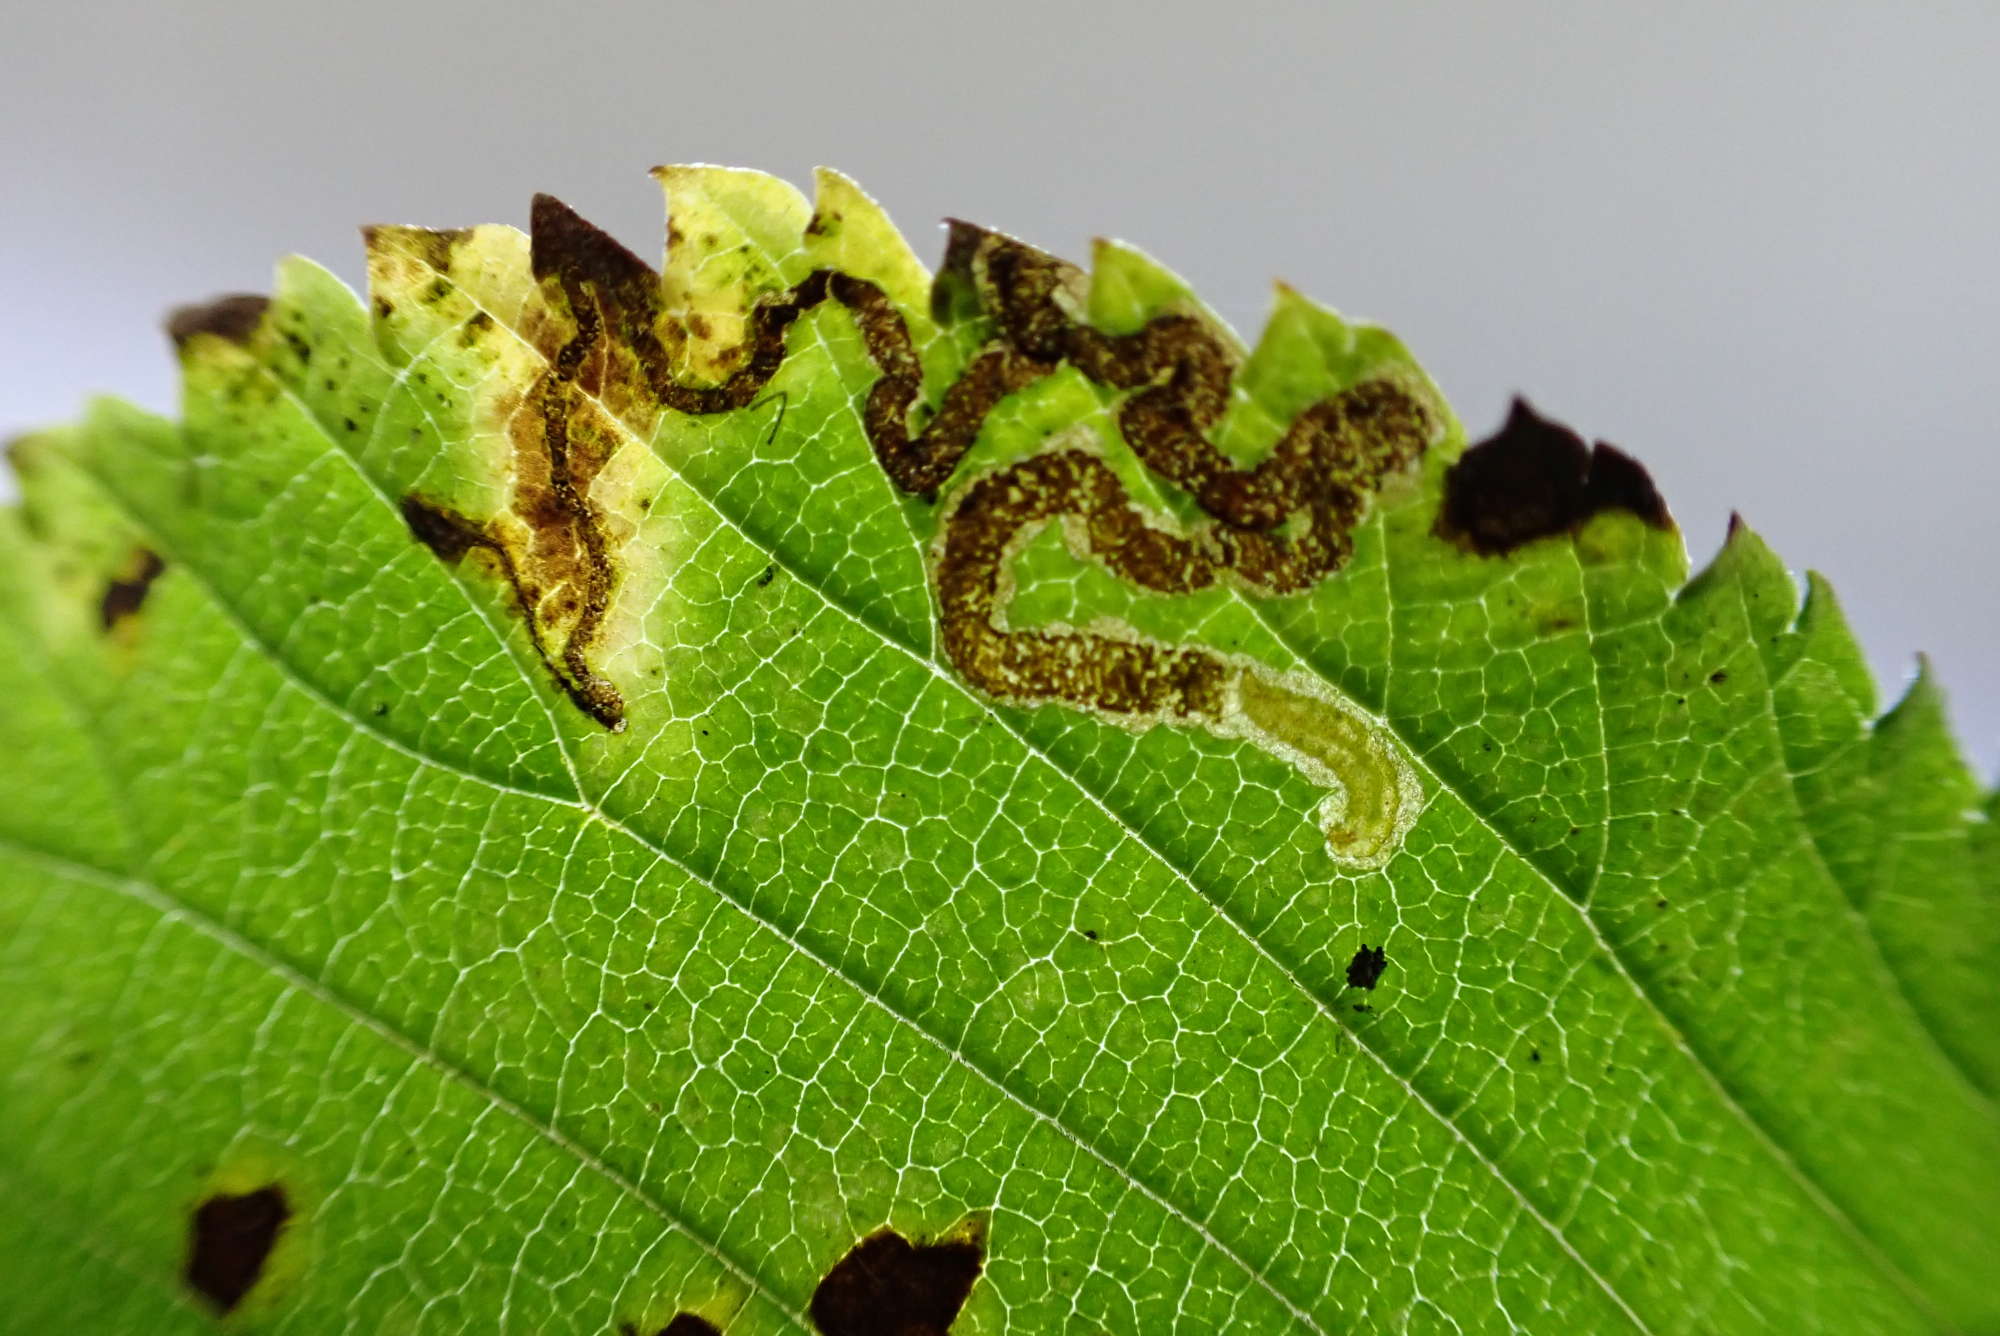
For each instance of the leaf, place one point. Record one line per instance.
(780, 795)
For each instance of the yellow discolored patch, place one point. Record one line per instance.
(733, 237)
(1332, 743)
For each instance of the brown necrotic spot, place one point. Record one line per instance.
(1535, 478)
(229, 1240)
(126, 593)
(234, 317)
(446, 533)
(569, 248)
(889, 1286)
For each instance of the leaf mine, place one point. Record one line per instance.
(622, 343)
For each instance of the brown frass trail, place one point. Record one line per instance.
(451, 537)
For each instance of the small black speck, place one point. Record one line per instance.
(1659, 904)
(381, 710)
(350, 424)
(1534, 1055)
(1719, 675)
(1365, 970)
(770, 574)
(1091, 933)
(1363, 1006)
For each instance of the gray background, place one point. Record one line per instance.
(1752, 243)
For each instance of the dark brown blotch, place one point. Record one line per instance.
(1535, 478)
(229, 1240)
(683, 1324)
(1365, 970)
(690, 1324)
(889, 1286)
(448, 534)
(564, 245)
(234, 317)
(126, 593)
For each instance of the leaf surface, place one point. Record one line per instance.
(611, 789)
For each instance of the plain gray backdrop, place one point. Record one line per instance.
(1754, 244)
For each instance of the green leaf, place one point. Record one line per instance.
(782, 795)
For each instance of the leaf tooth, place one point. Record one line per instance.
(1921, 717)
(422, 281)
(236, 318)
(1307, 351)
(74, 544)
(1746, 568)
(1824, 635)
(851, 232)
(733, 236)
(1300, 355)
(1128, 287)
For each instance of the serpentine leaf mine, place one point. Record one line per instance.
(620, 346)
